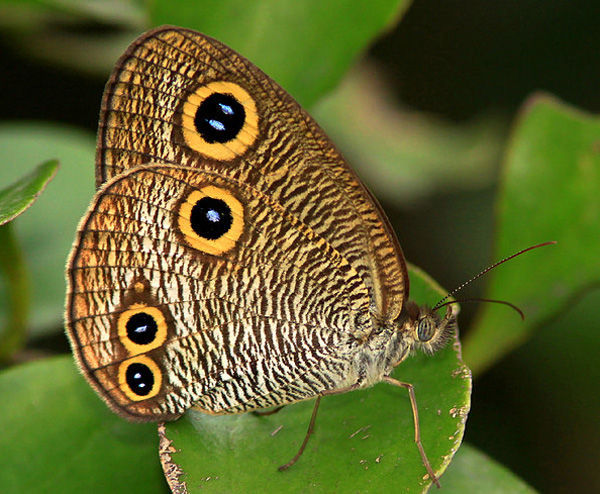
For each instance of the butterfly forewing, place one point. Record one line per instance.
(160, 106)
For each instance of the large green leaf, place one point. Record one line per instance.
(550, 191)
(47, 231)
(363, 440)
(305, 46)
(58, 437)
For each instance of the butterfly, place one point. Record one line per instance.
(230, 260)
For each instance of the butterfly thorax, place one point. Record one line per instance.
(417, 327)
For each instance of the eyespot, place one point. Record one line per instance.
(140, 378)
(220, 120)
(142, 328)
(211, 219)
(425, 329)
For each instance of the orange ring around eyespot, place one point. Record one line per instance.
(156, 373)
(161, 333)
(220, 151)
(229, 239)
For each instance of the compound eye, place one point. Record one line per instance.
(426, 329)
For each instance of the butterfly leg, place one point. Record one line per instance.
(311, 426)
(268, 412)
(413, 404)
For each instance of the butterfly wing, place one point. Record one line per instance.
(179, 97)
(190, 288)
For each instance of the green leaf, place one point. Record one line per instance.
(58, 437)
(47, 231)
(474, 472)
(17, 197)
(315, 41)
(363, 439)
(14, 200)
(550, 190)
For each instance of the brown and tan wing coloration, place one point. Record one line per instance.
(150, 113)
(166, 310)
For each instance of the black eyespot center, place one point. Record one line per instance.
(141, 328)
(211, 218)
(140, 378)
(219, 118)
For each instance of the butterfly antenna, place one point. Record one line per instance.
(489, 268)
(479, 299)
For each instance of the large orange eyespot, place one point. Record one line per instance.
(142, 328)
(211, 219)
(220, 120)
(140, 378)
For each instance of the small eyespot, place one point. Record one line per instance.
(426, 329)
(211, 220)
(142, 328)
(219, 120)
(140, 378)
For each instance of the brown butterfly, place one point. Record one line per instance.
(231, 260)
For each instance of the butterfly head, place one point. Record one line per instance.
(427, 329)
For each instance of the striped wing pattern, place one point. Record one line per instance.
(293, 161)
(275, 319)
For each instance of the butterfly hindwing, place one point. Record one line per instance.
(206, 293)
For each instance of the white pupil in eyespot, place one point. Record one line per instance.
(226, 109)
(215, 124)
(212, 215)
